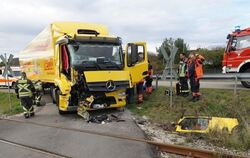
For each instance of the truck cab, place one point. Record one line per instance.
(236, 58)
(96, 67)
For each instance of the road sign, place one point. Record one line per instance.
(7, 62)
(168, 58)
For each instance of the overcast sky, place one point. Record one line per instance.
(201, 23)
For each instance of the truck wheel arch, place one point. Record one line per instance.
(244, 66)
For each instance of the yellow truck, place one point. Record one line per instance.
(203, 124)
(81, 62)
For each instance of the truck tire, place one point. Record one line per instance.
(246, 83)
(57, 102)
(57, 97)
(130, 95)
(53, 94)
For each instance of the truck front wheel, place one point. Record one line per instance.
(57, 101)
(246, 83)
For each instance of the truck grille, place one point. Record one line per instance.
(107, 100)
(101, 86)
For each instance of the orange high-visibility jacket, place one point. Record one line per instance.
(198, 66)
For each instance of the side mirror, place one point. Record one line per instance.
(62, 40)
(232, 49)
(228, 36)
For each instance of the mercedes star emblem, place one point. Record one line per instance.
(110, 85)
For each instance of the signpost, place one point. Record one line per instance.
(169, 67)
(7, 71)
(173, 51)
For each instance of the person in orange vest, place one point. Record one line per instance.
(199, 59)
(149, 79)
(195, 72)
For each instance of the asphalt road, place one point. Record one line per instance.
(70, 143)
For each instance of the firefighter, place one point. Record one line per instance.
(195, 72)
(38, 92)
(199, 59)
(25, 89)
(149, 79)
(182, 76)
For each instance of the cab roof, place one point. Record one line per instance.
(243, 32)
(72, 28)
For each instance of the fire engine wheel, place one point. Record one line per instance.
(246, 83)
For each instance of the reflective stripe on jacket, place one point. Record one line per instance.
(24, 88)
(182, 69)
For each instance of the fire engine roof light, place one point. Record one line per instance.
(237, 28)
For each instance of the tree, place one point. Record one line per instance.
(179, 43)
(182, 48)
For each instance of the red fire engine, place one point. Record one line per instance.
(237, 53)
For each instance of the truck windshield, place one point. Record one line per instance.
(96, 56)
(241, 42)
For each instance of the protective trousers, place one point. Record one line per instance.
(149, 87)
(184, 85)
(27, 102)
(195, 86)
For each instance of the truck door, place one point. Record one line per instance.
(136, 60)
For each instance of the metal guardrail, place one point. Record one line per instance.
(229, 76)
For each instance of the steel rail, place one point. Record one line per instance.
(169, 148)
(31, 148)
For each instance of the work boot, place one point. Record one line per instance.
(197, 98)
(26, 115)
(193, 99)
(32, 114)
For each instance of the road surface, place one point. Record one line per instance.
(70, 143)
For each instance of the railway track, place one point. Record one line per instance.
(169, 148)
(38, 150)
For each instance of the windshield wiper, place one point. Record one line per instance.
(91, 64)
(113, 64)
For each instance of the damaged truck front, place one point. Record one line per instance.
(83, 65)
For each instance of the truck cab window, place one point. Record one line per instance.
(95, 56)
(242, 42)
(141, 54)
(65, 61)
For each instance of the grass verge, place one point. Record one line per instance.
(214, 102)
(5, 106)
